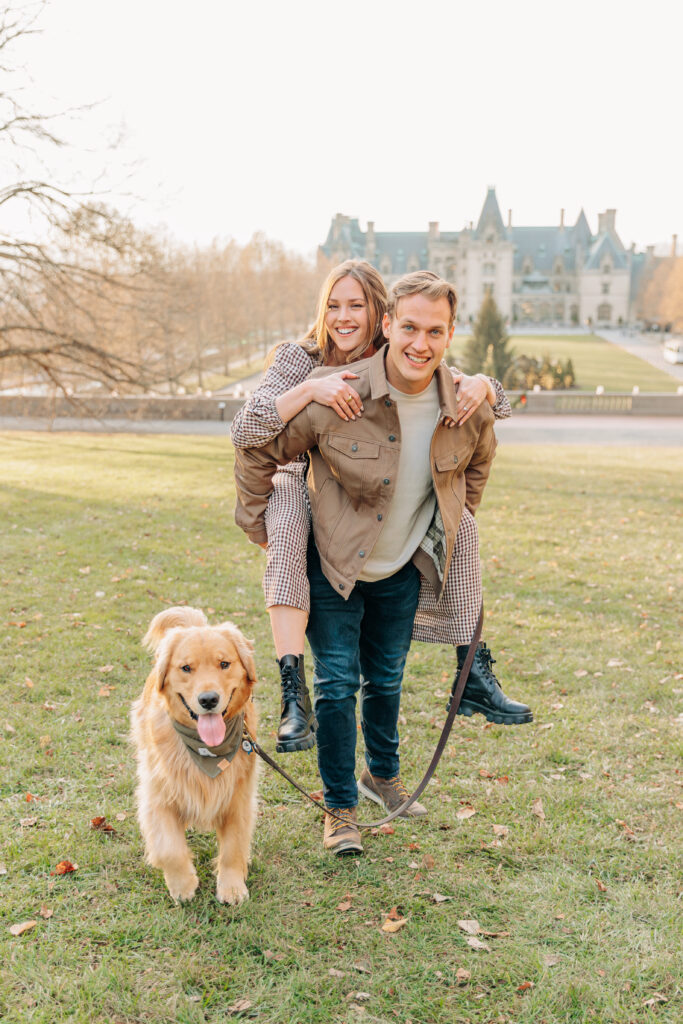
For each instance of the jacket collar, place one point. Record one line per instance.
(379, 385)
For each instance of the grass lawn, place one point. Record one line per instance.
(595, 361)
(580, 891)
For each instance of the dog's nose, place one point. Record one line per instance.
(208, 700)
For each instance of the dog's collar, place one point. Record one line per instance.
(212, 760)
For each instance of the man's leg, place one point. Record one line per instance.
(333, 633)
(384, 642)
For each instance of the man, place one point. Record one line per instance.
(387, 492)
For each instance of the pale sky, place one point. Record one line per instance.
(275, 116)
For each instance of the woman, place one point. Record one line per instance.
(348, 327)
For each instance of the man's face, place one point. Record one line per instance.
(418, 337)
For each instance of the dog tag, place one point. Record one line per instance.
(205, 752)
(247, 747)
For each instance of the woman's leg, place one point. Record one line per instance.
(285, 585)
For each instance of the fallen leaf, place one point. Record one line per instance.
(27, 822)
(550, 960)
(503, 779)
(462, 975)
(494, 935)
(525, 986)
(465, 812)
(537, 809)
(3, 869)
(65, 867)
(318, 795)
(655, 999)
(394, 914)
(85, 570)
(391, 925)
(240, 1006)
(106, 668)
(438, 898)
(363, 966)
(25, 926)
(486, 774)
(334, 973)
(428, 861)
(44, 741)
(121, 816)
(471, 927)
(559, 917)
(476, 943)
(344, 905)
(580, 673)
(45, 912)
(101, 824)
(28, 683)
(105, 691)
(10, 728)
(359, 997)
(500, 830)
(387, 830)
(601, 885)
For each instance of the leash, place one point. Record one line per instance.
(457, 689)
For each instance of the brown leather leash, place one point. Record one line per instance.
(457, 689)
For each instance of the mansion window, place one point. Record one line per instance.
(605, 288)
(385, 265)
(489, 268)
(604, 311)
(606, 268)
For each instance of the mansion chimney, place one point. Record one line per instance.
(561, 218)
(370, 245)
(433, 231)
(674, 240)
(509, 218)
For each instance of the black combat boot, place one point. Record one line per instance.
(297, 721)
(483, 693)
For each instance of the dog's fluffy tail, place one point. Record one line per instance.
(170, 619)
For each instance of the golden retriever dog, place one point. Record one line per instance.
(193, 770)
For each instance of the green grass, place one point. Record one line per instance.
(582, 556)
(595, 361)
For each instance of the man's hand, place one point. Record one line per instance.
(335, 392)
(471, 392)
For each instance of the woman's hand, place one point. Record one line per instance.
(335, 392)
(471, 392)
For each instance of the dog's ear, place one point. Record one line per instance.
(163, 656)
(169, 619)
(245, 648)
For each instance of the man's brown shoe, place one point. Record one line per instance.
(390, 793)
(342, 836)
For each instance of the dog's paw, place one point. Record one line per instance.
(182, 887)
(231, 889)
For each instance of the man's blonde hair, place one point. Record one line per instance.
(423, 282)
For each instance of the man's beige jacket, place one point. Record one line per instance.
(352, 474)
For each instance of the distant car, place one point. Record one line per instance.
(673, 350)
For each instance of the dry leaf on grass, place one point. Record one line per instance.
(537, 809)
(428, 861)
(363, 966)
(438, 898)
(359, 997)
(525, 986)
(334, 973)
(344, 905)
(28, 683)
(486, 774)
(465, 812)
(601, 885)
(3, 869)
(27, 822)
(387, 830)
(655, 999)
(65, 867)
(100, 824)
(462, 975)
(391, 925)
(471, 926)
(106, 668)
(25, 926)
(46, 912)
(500, 830)
(121, 816)
(240, 1006)
(550, 960)
(476, 943)
(318, 795)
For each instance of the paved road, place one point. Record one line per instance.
(646, 346)
(663, 431)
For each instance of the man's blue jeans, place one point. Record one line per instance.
(361, 643)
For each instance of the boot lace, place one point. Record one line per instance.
(488, 661)
(398, 787)
(345, 814)
(289, 678)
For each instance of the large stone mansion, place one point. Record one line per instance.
(563, 274)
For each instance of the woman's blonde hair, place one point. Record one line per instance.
(318, 340)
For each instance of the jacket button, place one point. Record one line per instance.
(361, 554)
(455, 458)
(379, 518)
(392, 437)
(354, 447)
(386, 480)
(387, 403)
(341, 586)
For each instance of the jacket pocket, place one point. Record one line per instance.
(456, 459)
(352, 447)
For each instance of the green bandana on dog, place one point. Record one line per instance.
(212, 760)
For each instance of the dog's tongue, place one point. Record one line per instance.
(211, 729)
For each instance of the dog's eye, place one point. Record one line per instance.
(225, 664)
(186, 668)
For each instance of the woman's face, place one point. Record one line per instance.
(347, 317)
